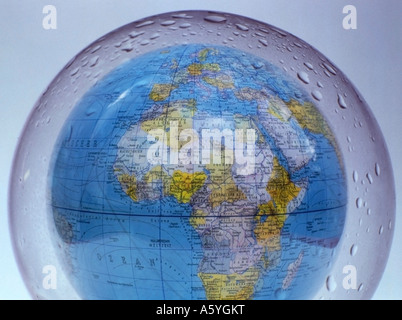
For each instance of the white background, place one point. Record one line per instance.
(30, 57)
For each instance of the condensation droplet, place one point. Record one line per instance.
(280, 32)
(27, 174)
(355, 176)
(349, 139)
(331, 284)
(264, 30)
(297, 44)
(369, 178)
(185, 25)
(144, 42)
(317, 95)
(135, 34)
(353, 250)
(390, 225)
(94, 61)
(215, 19)
(377, 169)
(359, 203)
(303, 76)
(329, 68)
(257, 65)
(361, 287)
(242, 27)
(154, 36)
(168, 23)
(75, 71)
(280, 294)
(96, 48)
(145, 23)
(320, 85)
(369, 212)
(381, 230)
(341, 102)
(263, 42)
(309, 65)
(182, 16)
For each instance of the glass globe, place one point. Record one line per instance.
(198, 155)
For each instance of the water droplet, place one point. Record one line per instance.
(320, 85)
(317, 95)
(297, 44)
(303, 76)
(349, 139)
(341, 102)
(359, 203)
(135, 34)
(154, 36)
(280, 294)
(361, 287)
(215, 19)
(331, 284)
(377, 169)
(74, 72)
(369, 178)
(369, 212)
(182, 16)
(381, 230)
(185, 25)
(96, 48)
(242, 27)
(94, 61)
(329, 68)
(355, 176)
(27, 174)
(280, 32)
(257, 65)
(144, 42)
(327, 73)
(263, 42)
(353, 250)
(168, 23)
(145, 23)
(309, 65)
(390, 225)
(128, 48)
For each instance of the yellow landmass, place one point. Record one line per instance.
(129, 184)
(197, 218)
(309, 117)
(230, 287)
(272, 215)
(161, 91)
(202, 55)
(214, 67)
(281, 188)
(184, 185)
(223, 82)
(158, 174)
(181, 112)
(267, 231)
(195, 69)
(279, 109)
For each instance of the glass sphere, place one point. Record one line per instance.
(198, 155)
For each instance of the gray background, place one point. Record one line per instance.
(30, 57)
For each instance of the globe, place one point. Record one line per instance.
(198, 169)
